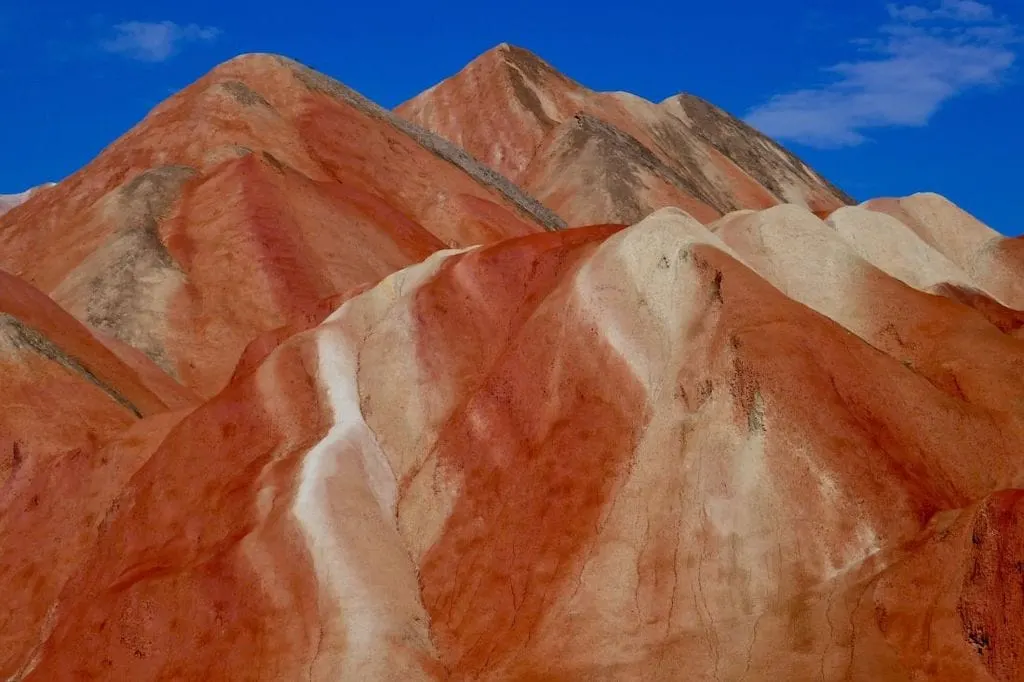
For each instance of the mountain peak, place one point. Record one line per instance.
(295, 386)
(507, 105)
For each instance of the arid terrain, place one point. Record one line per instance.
(520, 381)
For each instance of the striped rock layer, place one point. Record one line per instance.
(292, 388)
(612, 157)
(241, 202)
(773, 447)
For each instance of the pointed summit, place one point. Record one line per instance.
(263, 181)
(507, 106)
(499, 107)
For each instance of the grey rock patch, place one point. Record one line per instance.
(23, 337)
(453, 154)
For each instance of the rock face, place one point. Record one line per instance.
(597, 157)
(760, 446)
(241, 202)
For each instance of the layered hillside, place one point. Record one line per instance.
(596, 157)
(264, 183)
(316, 396)
(582, 455)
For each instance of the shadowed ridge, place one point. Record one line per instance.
(593, 170)
(507, 102)
(30, 321)
(763, 158)
(22, 337)
(262, 181)
(436, 144)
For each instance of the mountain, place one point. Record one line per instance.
(375, 413)
(596, 157)
(266, 184)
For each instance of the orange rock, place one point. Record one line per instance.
(71, 418)
(242, 201)
(425, 435)
(611, 157)
(599, 453)
(11, 201)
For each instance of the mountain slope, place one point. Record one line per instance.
(992, 260)
(508, 107)
(587, 454)
(264, 183)
(342, 403)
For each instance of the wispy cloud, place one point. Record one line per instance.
(921, 57)
(155, 41)
(957, 10)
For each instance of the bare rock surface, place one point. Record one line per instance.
(599, 157)
(291, 389)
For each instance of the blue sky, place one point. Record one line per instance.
(883, 98)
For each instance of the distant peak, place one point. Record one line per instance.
(523, 59)
(692, 103)
(255, 61)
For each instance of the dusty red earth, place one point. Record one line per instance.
(346, 406)
(263, 182)
(597, 157)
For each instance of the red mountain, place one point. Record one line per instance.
(611, 157)
(315, 395)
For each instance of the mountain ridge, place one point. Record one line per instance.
(518, 100)
(306, 393)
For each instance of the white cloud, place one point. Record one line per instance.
(920, 59)
(155, 41)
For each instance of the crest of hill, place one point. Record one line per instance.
(264, 181)
(989, 258)
(506, 107)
